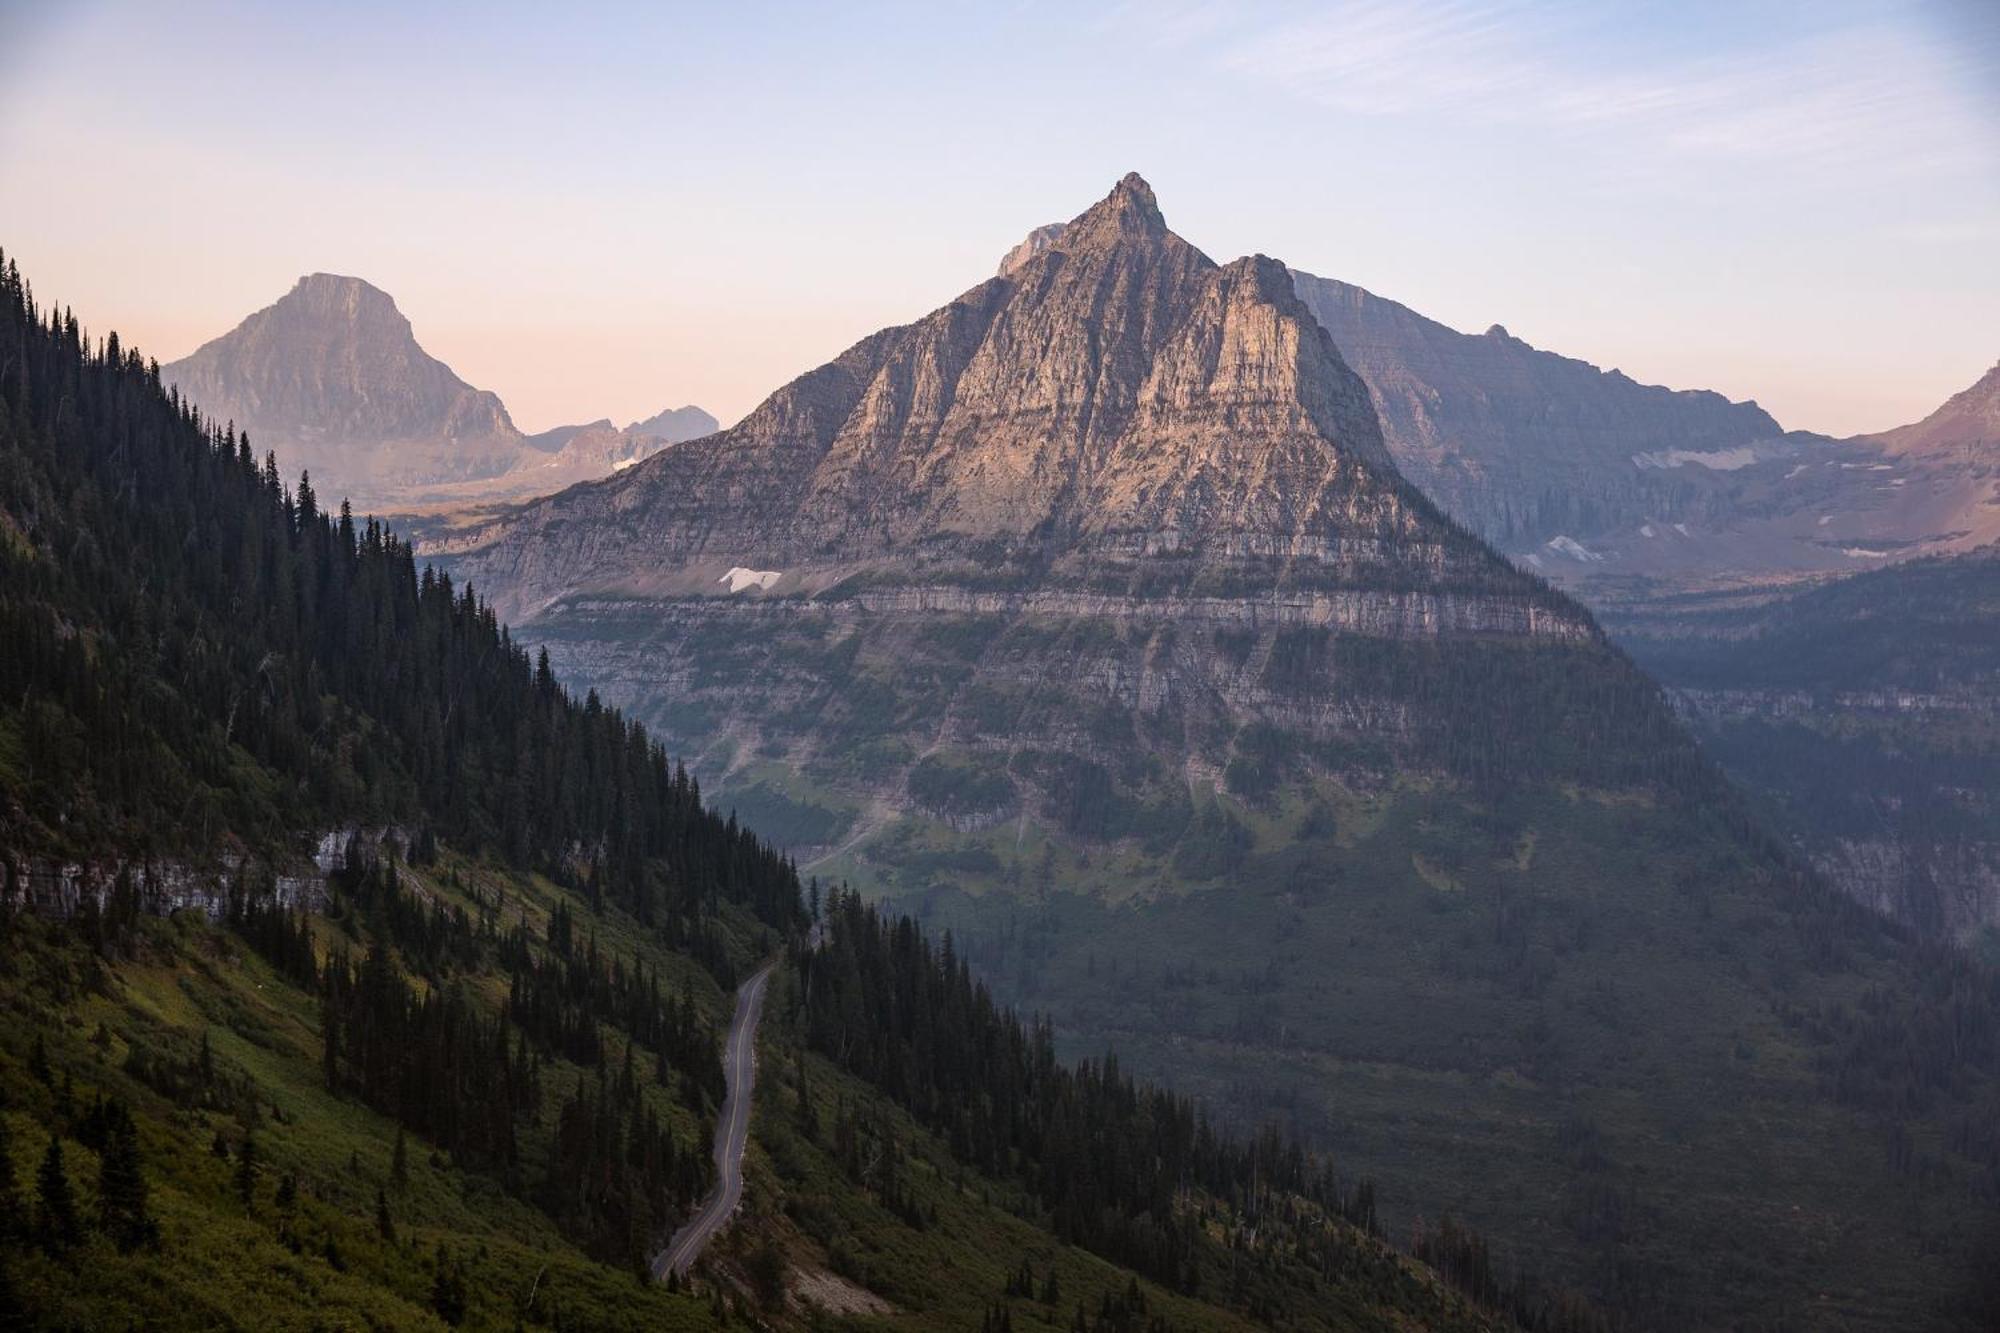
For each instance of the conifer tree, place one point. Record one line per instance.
(399, 1163)
(246, 1172)
(11, 1222)
(57, 1226)
(121, 1185)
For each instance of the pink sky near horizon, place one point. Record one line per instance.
(632, 209)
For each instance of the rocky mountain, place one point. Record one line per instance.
(675, 425)
(1091, 616)
(1036, 242)
(1121, 399)
(315, 1080)
(1605, 485)
(332, 378)
(1520, 444)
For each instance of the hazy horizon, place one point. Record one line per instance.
(612, 213)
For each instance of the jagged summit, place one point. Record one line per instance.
(1118, 407)
(1129, 211)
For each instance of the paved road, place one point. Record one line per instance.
(732, 1134)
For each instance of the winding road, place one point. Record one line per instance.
(732, 1134)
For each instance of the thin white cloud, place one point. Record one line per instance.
(1878, 93)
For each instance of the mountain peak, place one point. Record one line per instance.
(1129, 211)
(341, 299)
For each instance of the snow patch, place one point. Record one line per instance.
(1718, 460)
(1796, 469)
(1682, 529)
(738, 578)
(1825, 519)
(1573, 548)
(1863, 553)
(1646, 530)
(623, 463)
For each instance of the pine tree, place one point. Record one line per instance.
(384, 1224)
(448, 1296)
(246, 1173)
(399, 1164)
(11, 1222)
(57, 1226)
(121, 1186)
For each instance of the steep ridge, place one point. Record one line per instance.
(1967, 425)
(1618, 490)
(1089, 616)
(1519, 443)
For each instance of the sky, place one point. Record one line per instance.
(605, 210)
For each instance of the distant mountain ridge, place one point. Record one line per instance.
(331, 377)
(1607, 486)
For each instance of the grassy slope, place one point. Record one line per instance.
(221, 1266)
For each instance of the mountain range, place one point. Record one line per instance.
(332, 379)
(1093, 616)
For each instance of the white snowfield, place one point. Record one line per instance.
(1718, 460)
(1572, 548)
(738, 578)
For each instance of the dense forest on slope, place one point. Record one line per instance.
(467, 1080)
(173, 610)
(1122, 1168)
